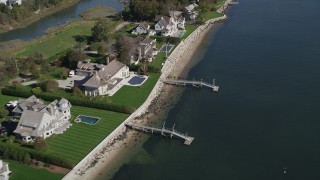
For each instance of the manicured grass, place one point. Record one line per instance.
(75, 143)
(22, 171)
(189, 29)
(211, 15)
(135, 96)
(219, 4)
(157, 62)
(96, 12)
(59, 40)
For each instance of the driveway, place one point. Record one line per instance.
(69, 82)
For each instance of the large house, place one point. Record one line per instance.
(165, 25)
(40, 120)
(190, 11)
(169, 25)
(100, 78)
(4, 170)
(143, 49)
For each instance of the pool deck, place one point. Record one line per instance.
(125, 82)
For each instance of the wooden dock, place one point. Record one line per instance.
(163, 131)
(194, 83)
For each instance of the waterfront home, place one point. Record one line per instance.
(4, 170)
(190, 11)
(145, 50)
(40, 120)
(169, 25)
(165, 25)
(179, 19)
(100, 78)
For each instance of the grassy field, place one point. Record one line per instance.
(135, 96)
(96, 12)
(58, 41)
(189, 29)
(22, 171)
(75, 143)
(212, 14)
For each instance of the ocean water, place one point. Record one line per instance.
(264, 123)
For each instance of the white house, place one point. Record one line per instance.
(142, 28)
(100, 79)
(167, 26)
(147, 49)
(11, 2)
(40, 120)
(4, 170)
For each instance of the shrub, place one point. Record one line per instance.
(36, 90)
(49, 86)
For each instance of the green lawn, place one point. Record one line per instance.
(219, 4)
(75, 143)
(22, 171)
(157, 62)
(135, 96)
(211, 15)
(58, 41)
(189, 29)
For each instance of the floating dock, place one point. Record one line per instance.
(163, 131)
(182, 82)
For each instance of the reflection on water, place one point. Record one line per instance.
(39, 28)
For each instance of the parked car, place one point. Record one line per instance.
(12, 104)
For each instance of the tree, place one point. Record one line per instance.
(45, 67)
(76, 91)
(50, 85)
(102, 31)
(73, 56)
(35, 71)
(3, 113)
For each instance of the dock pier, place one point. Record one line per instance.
(163, 131)
(194, 83)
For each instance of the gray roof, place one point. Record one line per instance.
(101, 77)
(191, 7)
(146, 41)
(32, 103)
(30, 123)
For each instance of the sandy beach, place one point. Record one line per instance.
(106, 156)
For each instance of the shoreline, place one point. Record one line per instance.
(37, 17)
(103, 155)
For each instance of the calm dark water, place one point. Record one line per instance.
(39, 28)
(265, 119)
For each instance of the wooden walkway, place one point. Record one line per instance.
(163, 131)
(194, 83)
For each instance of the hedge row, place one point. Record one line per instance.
(18, 153)
(73, 100)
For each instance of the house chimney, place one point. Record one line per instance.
(108, 60)
(139, 53)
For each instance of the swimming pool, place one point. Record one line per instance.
(136, 80)
(87, 119)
